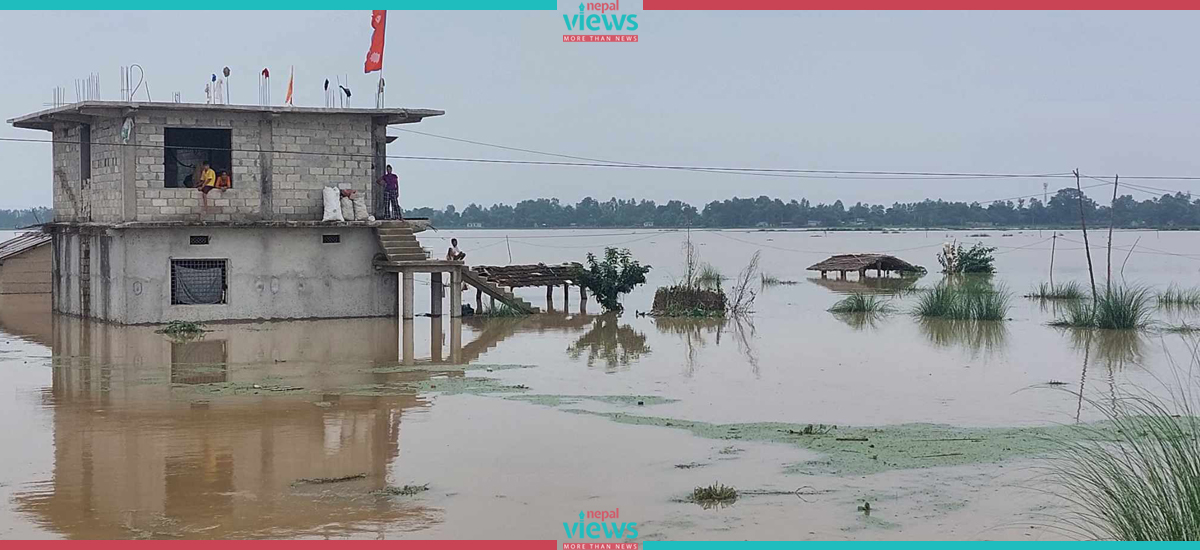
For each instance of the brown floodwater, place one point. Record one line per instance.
(313, 429)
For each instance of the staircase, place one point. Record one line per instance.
(503, 296)
(399, 244)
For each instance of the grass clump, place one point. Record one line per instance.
(406, 491)
(500, 310)
(715, 494)
(1064, 291)
(771, 280)
(1120, 308)
(964, 302)
(861, 303)
(1138, 478)
(181, 328)
(1176, 296)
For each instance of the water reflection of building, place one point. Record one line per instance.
(211, 438)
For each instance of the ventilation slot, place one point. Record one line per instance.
(198, 239)
(331, 239)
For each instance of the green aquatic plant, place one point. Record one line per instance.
(1176, 296)
(861, 303)
(965, 301)
(771, 280)
(1138, 478)
(715, 494)
(500, 310)
(1064, 291)
(1120, 308)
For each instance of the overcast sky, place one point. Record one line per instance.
(947, 92)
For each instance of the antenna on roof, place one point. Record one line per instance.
(379, 94)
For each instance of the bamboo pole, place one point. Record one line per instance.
(1112, 217)
(1053, 243)
(1086, 247)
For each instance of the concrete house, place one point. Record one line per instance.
(133, 243)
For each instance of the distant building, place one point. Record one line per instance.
(762, 224)
(474, 225)
(133, 243)
(814, 223)
(647, 224)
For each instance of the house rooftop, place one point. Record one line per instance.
(21, 243)
(84, 111)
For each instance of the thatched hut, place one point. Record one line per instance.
(883, 264)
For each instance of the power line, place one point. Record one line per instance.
(773, 172)
(792, 172)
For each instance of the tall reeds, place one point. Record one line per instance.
(964, 301)
(1120, 308)
(1177, 296)
(1136, 476)
(862, 303)
(1050, 291)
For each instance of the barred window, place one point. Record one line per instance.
(198, 282)
(198, 239)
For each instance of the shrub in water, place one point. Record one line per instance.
(617, 274)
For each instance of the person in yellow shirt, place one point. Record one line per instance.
(208, 178)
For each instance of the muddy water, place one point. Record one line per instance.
(509, 427)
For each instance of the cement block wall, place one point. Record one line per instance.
(272, 273)
(100, 199)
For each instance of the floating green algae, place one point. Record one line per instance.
(433, 367)
(622, 400)
(868, 450)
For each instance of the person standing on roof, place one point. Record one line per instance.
(391, 195)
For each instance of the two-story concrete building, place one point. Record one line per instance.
(134, 242)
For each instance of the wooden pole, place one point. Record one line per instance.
(549, 298)
(1053, 243)
(1112, 217)
(1086, 247)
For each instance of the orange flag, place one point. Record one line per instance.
(291, 80)
(375, 54)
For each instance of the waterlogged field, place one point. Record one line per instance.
(829, 426)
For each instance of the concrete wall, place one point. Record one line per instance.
(272, 273)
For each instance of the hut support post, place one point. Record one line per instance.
(566, 295)
(549, 297)
(479, 299)
(582, 300)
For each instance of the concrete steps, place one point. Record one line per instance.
(399, 244)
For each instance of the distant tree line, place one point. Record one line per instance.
(1061, 210)
(23, 217)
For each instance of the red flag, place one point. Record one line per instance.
(375, 54)
(291, 80)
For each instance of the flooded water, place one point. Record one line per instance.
(507, 428)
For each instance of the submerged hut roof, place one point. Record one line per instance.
(857, 262)
(529, 274)
(21, 243)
